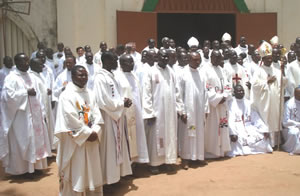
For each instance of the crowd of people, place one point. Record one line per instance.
(104, 113)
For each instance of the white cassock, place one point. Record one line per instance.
(97, 58)
(239, 49)
(137, 57)
(46, 104)
(217, 141)
(135, 122)
(141, 72)
(161, 100)
(48, 80)
(239, 76)
(3, 73)
(291, 123)
(50, 64)
(248, 126)
(293, 76)
(78, 160)
(147, 49)
(194, 95)
(115, 158)
(60, 83)
(24, 142)
(266, 98)
(80, 60)
(58, 63)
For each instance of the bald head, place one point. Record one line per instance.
(126, 62)
(216, 57)
(297, 93)
(195, 60)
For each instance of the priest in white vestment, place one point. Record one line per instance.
(161, 105)
(130, 87)
(36, 67)
(293, 74)
(248, 133)
(194, 95)
(64, 77)
(115, 155)
(78, 129)
(151, 46)
(6, 69)
(217, 141)
(242, 47)
(91, 68)
(24, 142)
(236, 73)
(291, 123)
(266, 92)
(97, 56)
(48, 79)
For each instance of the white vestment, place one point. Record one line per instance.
(266, 98)
(216, 134)
(135, 122)
(239, 49)
(3, 73)
(78, 160)
(293, 76)
(46, 100)
(115, 158)
(24, 142)
(58, 63)
(92, 69)
(291, 123)
(239, 76)
(97, 59)
(161, 100)
(61, 81)
(147, 49)
(194, 95)
(248, 126)
(141, 73)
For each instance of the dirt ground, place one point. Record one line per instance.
(260, 175)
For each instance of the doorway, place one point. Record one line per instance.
(181, 27)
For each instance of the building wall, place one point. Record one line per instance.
(287, 17)
(76, 29)
(43, 21)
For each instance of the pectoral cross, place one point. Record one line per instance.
(236, 78)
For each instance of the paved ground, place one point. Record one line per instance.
(260, 175)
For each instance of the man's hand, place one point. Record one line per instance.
(93, 137)
(127, 103)
(223, 100)
(233, 138)
(49, 91)
(271, 79)
(31, 92)
(267, 135)
(248, 84)
(184, 118)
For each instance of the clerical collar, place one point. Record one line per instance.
(193, 69)
(21, 72)
(239, 100)
(78, 89)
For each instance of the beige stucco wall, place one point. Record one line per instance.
(82, 22)
(287, 17)
(42, 20)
